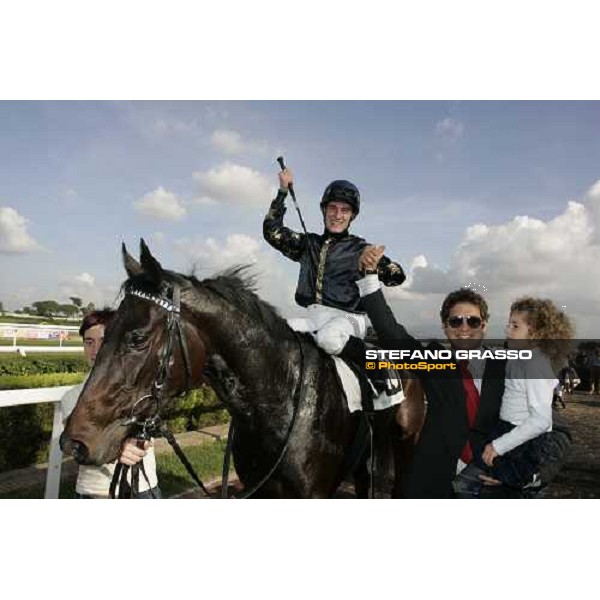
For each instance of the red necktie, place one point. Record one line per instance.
(472, 402)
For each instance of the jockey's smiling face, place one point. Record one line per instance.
(337, 216)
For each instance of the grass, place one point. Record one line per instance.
(23, 382)
(207, 460)
(173, 479)
(7, 356)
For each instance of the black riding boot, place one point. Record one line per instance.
(384, 380)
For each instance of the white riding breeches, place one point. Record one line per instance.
(331, 327)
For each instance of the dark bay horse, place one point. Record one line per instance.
(224, 324)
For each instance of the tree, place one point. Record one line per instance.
(76, 301)
(69, 310)
(89, 308)
(1, 307)
(46, 308)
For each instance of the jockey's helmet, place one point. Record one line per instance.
(341, 190)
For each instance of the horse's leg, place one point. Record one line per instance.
(403, 448)
(362, 479)
(385, 430)
(410, 417)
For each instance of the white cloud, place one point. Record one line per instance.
(594, 191)
(213, 255)
(161, 204)
(592, 203)
(235, 184)
(276, 283)
(449, 128)
(227, 141)
(14, 238)
(85, 286)
(204, 201)
(558, 259)
(85, 279)
(526, 251)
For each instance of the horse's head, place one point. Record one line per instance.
(150, 352)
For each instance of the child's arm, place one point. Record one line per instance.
(290, 243)
(539, 405)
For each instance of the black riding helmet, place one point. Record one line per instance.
(341, 190)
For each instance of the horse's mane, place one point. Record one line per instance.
(236, 285)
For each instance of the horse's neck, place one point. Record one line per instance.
(260, 361)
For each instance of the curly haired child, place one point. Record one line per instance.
(524, 440)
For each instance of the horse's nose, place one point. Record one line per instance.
(79, 452)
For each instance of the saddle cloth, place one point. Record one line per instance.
(352, 389)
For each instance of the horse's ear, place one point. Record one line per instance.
(131, 265)
(149, 264)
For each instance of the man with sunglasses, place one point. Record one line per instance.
(463, 405)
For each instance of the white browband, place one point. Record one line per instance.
(162, 302)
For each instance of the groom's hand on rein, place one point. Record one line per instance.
(131, 454)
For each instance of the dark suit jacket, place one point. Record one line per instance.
(446, 427)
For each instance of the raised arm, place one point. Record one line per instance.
(290, 243)
(389, 332)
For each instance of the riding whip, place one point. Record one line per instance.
(293, 195)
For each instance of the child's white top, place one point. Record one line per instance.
(527, 400)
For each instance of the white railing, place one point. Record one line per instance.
(36, 331)
(37, 396)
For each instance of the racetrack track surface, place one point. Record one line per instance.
(579, 478)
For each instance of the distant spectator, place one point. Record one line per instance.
(595, 372)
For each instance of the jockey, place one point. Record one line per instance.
(328, 266)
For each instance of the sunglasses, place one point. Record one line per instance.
(472, 321)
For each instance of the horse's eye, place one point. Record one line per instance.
(136, 339)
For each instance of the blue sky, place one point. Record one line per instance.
(458, 191)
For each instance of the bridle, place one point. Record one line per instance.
(154, 427)
(175, 333)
